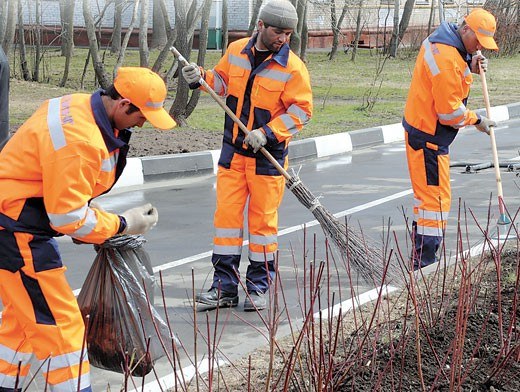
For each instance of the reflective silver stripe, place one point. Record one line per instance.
(72, 384)
(227, 250)
(10, 381)
(453, 115)
(433, 231)
(298, 112)
(289, 123)
(275, 75)
(460, 124)
(68, 218)
(467, 71)
(485, 32)
(218, 85)
(261, 257)
(109, 164)
(66, 360)
(433, 215)
(11, 356)
(263, 239)
(88, 226)
(155, 105)
(240, 62)
(54, 124)
(229, 233)
(428, 57)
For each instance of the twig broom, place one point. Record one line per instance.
(365, 259)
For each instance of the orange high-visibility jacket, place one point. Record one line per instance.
(64, 155)
(275, 96)
(440, 87)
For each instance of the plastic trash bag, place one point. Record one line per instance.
(123, 327)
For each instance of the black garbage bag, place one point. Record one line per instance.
(122, 325)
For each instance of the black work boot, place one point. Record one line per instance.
(255, 301)
(212, 299)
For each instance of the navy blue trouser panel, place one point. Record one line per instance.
(258, 276)
(225, 272)
(425, 249)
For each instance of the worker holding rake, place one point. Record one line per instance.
(268, 87)
(72, 149)
(435, 110)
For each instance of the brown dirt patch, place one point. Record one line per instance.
(375, 347)
(147, 142)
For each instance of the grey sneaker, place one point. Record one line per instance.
(212, 299)
(255, 301)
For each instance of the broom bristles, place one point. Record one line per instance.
(357, 250)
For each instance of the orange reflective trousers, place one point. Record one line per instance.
(29, 289)
(429, 167)
(234, 186)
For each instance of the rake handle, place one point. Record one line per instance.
(498, 176)
(232, 115)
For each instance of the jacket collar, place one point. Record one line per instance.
(100, 115)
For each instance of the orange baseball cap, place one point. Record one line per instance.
(484, 26)
(146, 90)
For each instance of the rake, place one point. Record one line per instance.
(503, 220)
(355, 248)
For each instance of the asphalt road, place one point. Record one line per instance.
(371, 186)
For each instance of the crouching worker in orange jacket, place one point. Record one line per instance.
(72, 149)
(435, 111)
(267, 86)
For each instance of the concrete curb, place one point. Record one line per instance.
(146, 169)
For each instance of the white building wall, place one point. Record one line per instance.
(375, 13)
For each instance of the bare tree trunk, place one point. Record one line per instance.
(159, 37)
(68, 39)
(305, 36)
(62, 6)
(225, 28)
(144, 53)
(122, 50)
(38, 41)
(178, 108)
(4, 98)
(405, 19)
(3, 19)
(203, 44)
(441, 11)
(394, 42)
(116, 32)
(358, 32)
(336, 29)
(99, 67)
(21, 40)
(10, 27)
(172, 36)
(254, 17)
(296, 36)
(432, 16)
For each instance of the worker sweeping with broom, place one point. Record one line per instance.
(435, 110)
(268, 87)
(72, 149)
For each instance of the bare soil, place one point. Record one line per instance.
(460, 342)
(147, 142)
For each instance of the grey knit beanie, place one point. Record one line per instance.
(279, 13)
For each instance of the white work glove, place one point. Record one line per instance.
(256, 139)
(191, 73)
(475, 60)
(485, 124)
(140, 219)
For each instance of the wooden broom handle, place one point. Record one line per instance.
(230, 113)
(493, 140)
